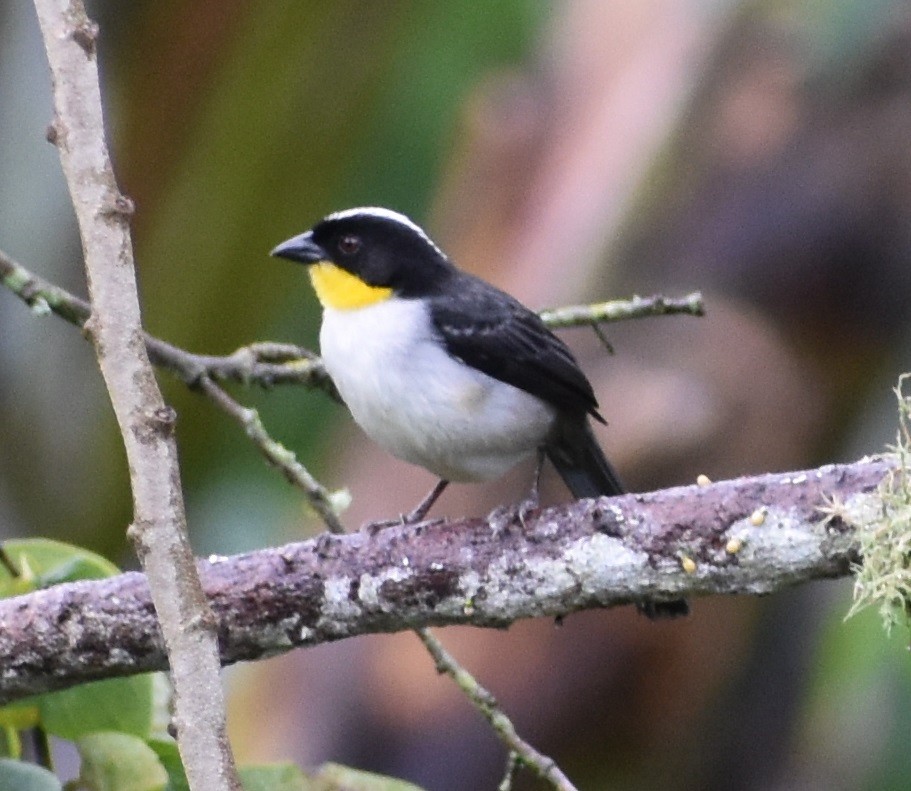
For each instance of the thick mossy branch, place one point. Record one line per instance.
(749, 536)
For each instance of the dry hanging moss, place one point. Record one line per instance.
(884, 532)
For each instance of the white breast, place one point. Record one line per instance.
(418, 403)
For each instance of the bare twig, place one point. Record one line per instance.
(540, 764)
(7, 562)
(747, 536)
(146, 423)
(325, 503)
(512, 769)
(198, 370)
(269, 364)
(265, 364)
(622, 309)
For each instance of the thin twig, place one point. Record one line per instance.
(623, 309)
(7, 562)
(270, 364)
(601, 336)
(265, 364)
(512, 769)
(484, 702)
(324, 502)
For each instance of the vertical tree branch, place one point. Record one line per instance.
(146, 423)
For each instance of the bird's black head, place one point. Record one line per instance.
(383, 250)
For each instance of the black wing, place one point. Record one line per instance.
(489, 330)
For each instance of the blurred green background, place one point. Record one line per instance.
(573, 151)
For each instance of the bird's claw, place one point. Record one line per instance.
(505, 515)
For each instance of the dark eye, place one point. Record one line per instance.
(349, 245)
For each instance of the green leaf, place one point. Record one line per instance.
(18, 776)
(20, 715)
(116, 704)
(42, 562)
(276, 777)
(118, 762)
(80, 567)
(335, 777)
(119, 704)
(166, 750)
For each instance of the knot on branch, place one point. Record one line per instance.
(118, 207)
(85, 34)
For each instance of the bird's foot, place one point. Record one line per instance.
(505, 515)
(374, 527)
(412, 517)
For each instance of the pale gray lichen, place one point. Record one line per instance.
(602, 562)
(337, 602)
(370, 589)
(883, 525)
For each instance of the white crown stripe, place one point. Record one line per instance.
(386, 214)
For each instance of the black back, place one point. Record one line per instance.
(489, 330)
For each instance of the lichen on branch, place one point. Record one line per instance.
(883, 525)
(751, 535)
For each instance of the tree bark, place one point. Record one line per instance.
(751, 535)
(146, 422)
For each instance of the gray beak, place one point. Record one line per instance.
(300, 248)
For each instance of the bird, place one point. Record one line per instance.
(444, 370)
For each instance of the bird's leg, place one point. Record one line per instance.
(412, 517)
(536, 481)
(502, 516)
(531, 502)
(418, 514)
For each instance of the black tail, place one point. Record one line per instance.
(575, 452)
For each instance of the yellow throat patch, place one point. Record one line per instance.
(339, 289)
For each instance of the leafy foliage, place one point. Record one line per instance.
(18, 776)
(118, 725)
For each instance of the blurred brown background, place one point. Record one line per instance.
(575, 151)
